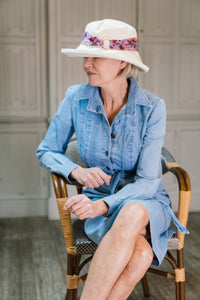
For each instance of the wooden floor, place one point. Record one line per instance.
(33, 262)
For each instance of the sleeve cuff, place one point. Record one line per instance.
(112, 203)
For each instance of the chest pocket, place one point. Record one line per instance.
(84, 134)
(132, 143)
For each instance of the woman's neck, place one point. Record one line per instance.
(115, 93)
(114, 96)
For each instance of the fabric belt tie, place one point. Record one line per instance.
(178, 224)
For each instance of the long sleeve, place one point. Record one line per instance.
(51, 151)
(149, 172)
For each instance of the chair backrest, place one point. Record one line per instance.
(73, 153)
(166, 158)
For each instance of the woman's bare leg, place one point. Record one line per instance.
(115, 251)
(134, 271)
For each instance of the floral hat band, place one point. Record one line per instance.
(110, 39)
(130, 44)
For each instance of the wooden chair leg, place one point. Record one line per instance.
(177, 291)
(181, 285)
(182, 290)
(145, 286)
(69, 295)
(72, 269)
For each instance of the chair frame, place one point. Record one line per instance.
(74, 266)
(177, 264)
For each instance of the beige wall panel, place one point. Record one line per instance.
(21, 176)
(117, 9)
(190, 154)
(19, 84)
(157, 18)
(23, 59)
(161, 79)
(189, 18)
(189, 92)
(23, 107)
(74, 15)
(18, 18)
(23, 184)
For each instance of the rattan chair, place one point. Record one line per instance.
(77, 243)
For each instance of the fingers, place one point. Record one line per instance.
(80, 205)
(90, 177)
(82, 212)
(104, 177)
(72, 201)
(92, 181)
(95, 178)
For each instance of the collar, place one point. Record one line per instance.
(136, 96)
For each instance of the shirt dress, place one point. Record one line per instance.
(129, 150)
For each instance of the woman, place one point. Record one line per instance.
(120, 131)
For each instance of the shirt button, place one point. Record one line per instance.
(112, 135)
(106, 153)
(108, 168)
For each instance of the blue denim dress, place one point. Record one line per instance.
(129, 150)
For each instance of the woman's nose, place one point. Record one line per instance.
(88, 62)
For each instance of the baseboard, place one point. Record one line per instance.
(13, 208)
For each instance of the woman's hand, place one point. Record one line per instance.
(84, 208)
(90, 177)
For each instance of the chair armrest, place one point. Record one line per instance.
(184, 196)
(59, 184)
(60, 189)
(181, 175)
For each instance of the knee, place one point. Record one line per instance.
(146, 254)
(132, 219)
(134, 213)
(142, 260)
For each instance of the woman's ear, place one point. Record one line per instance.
(123, 64)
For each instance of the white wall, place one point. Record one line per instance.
(169, 42)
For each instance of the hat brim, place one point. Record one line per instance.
(132, 57)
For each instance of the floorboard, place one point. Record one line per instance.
(33, 262)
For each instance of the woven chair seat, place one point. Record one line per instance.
(83, 244)
(173, 243)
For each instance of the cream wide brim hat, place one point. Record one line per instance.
(106, 31)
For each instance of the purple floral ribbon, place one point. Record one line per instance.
(126, 44)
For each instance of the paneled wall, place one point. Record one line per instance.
(23, 102)
(34, 77)
(169, 32)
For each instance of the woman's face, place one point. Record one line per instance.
(102, 71)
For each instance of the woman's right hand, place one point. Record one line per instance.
(90, 177)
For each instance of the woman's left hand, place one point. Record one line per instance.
(84, 208)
